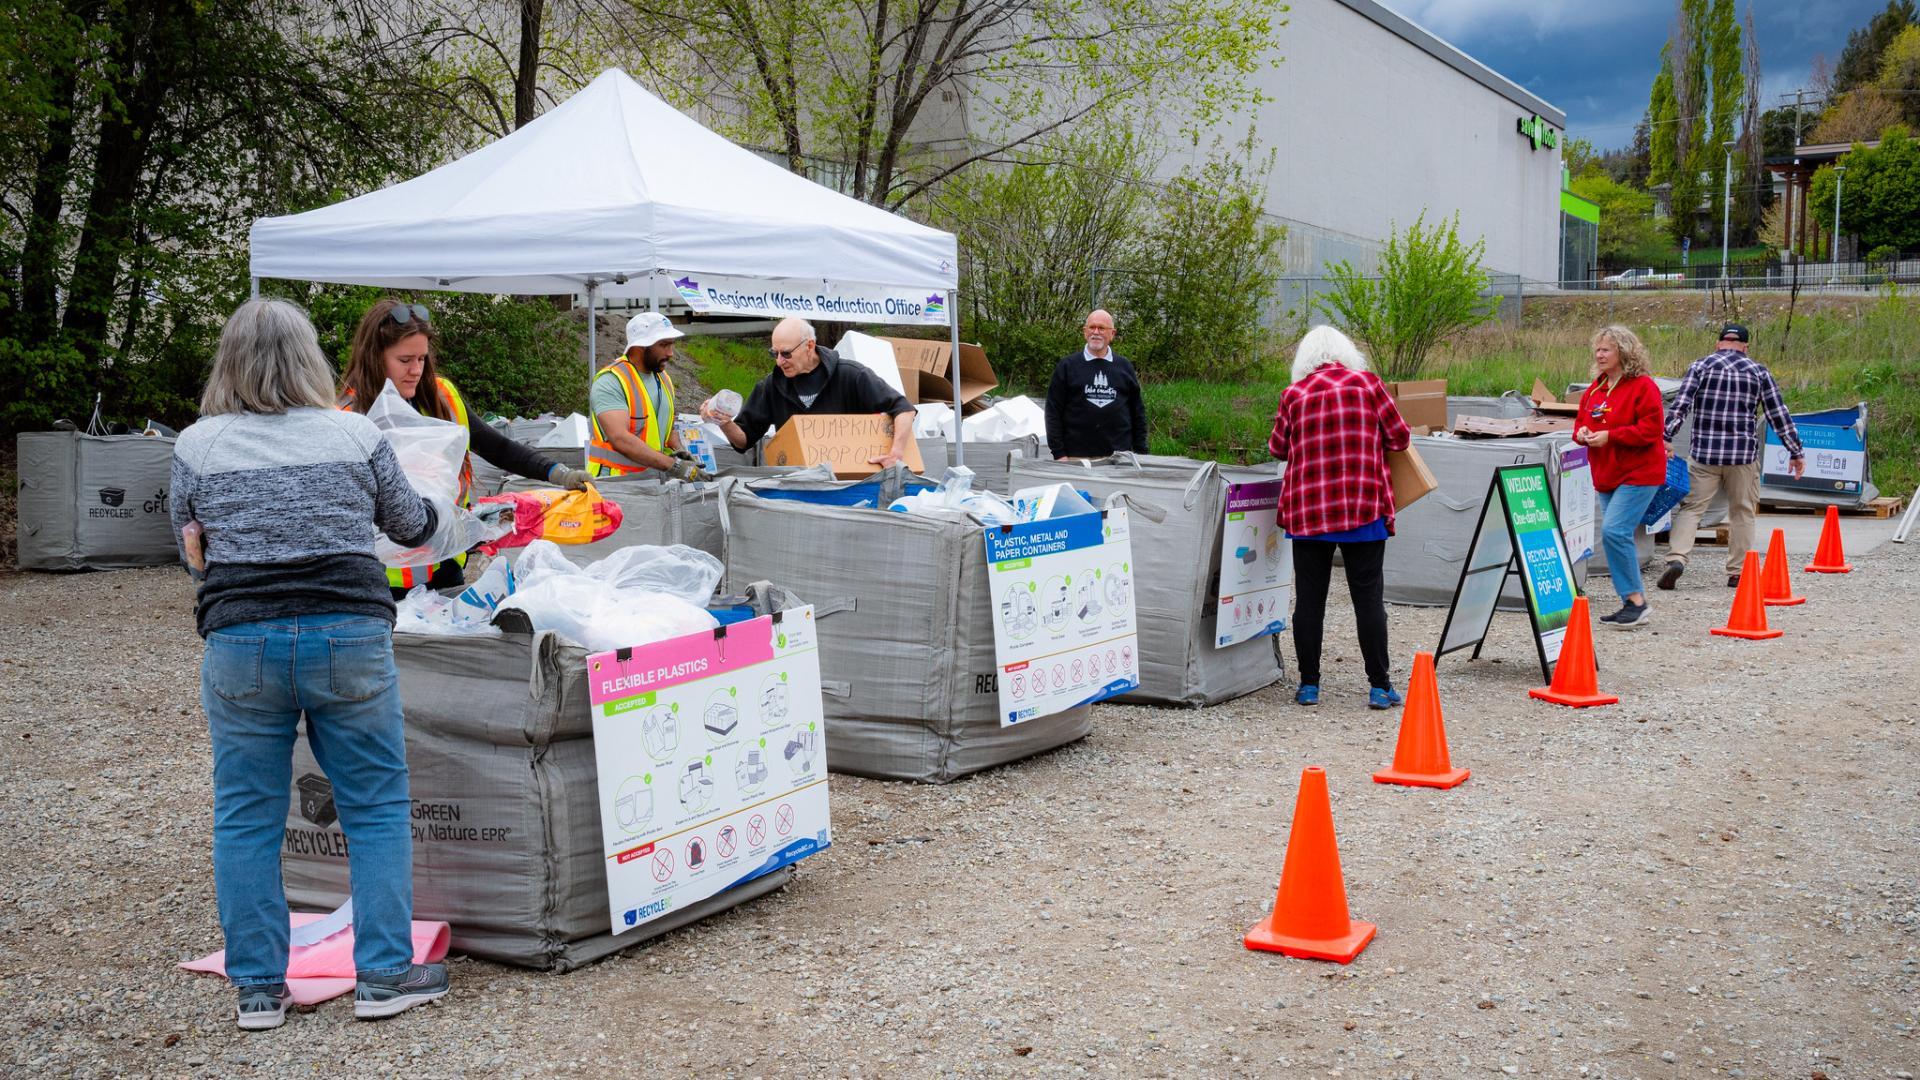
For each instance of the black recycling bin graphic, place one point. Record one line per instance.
(316, 799)
(112, 496)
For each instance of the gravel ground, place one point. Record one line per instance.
(1714, 877)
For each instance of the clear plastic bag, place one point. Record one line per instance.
(432, 453)
(635, 596)
(424, 611)
(956, 493)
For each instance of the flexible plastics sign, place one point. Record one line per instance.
(1518, 535)
(712, 761)
(1256, 566)
(1063, 622)
(840, 301)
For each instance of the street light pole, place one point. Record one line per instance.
(1839, 174)
(1726, 207)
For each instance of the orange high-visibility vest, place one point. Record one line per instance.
(651, 421)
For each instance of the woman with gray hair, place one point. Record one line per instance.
(288, 492)
(1621, 422)
(1334, 427)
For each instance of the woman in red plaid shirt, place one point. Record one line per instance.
(1334, 427)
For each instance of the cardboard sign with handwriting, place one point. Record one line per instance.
(844, 441)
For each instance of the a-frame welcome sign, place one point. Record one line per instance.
(1523, 540)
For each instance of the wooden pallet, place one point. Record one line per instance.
(1885, 506)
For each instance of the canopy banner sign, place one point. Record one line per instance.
(712, 761)
(1063, 619)
(1526, 542)
(1256, 566)
(839, 301)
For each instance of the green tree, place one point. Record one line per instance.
(1628, 233)
(888, 100)
(1209, 263)
(1429, 287)
(1860, 60)
(1695, 105)
(1899, 78)
(1880, 198)
(1037, 239)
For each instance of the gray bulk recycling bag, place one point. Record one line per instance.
(988, 460)
(1431, 537)
(506, 821)
(1178, 573)
(94, 502)
(906, 633)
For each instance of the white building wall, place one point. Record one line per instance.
(1370, 128)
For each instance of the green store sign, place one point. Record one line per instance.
(1539, 131)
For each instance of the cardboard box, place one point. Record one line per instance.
(1422, 402)
(1549, 405)
(925, 370)
(1412, 480)
(843, 441)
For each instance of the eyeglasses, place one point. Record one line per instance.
(406, 313)
(785, 354)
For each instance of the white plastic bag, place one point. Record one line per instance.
(636, 596)
(956, 493)
(432, 453)
(424, 611)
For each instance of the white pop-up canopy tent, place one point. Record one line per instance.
(609, 193)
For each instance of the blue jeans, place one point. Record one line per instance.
(256, 680)
(1620, 511)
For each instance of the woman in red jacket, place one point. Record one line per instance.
(1620, 423)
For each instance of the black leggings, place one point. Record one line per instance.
(1312, 570)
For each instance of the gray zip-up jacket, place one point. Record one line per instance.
(290, 504)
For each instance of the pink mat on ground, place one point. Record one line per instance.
(324, 970)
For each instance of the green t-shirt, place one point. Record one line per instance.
(608, 395)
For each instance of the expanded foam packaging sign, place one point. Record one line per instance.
(712, 762)
(844, 442)
(1063, 617)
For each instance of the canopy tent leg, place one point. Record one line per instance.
(593, 329)
(653, 282)
(255, 294)
(953, 372)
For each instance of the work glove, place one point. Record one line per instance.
(684, 455)
(571, 479)
(688, 471)
(497, 513)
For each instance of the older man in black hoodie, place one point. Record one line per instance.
(1094, 406)
(807, 378)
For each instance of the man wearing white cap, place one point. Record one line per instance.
(632, 404)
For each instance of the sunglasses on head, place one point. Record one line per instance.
(406, 313)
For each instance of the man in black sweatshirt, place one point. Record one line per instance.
(1094, 407)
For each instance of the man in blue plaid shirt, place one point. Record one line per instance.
(1722, 390)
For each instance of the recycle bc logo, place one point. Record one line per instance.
(316, 800)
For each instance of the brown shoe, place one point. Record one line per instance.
(1671, 575)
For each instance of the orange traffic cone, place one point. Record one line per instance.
(1829, 557)
(1309, 916)
(1420, 759)
(1749, 616)
(1576, 681)
(1776, 588)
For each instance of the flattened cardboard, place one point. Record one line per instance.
(844, 441)
(1494, 427)
(924, 365)
(1422, 402)
(1412, 480)
(1548, 404)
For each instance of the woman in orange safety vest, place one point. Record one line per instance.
(396, 341)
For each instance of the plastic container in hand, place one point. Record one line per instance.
(727, 403)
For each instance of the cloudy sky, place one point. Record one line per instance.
(1596, 58)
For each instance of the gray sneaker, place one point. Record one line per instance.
(379, 996)
(1629, 616)
(262, 1008)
